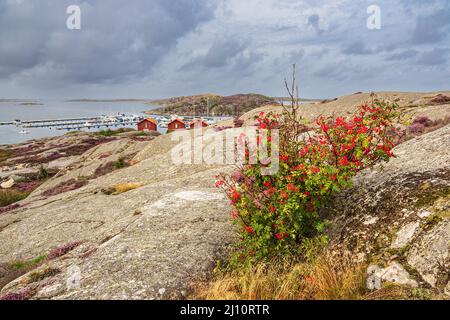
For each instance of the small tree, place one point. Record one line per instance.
(276, 213)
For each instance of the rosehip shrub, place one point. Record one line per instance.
(277, 212)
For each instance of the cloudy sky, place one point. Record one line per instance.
(159, 48)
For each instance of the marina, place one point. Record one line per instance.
(19, 123)
(99, 122)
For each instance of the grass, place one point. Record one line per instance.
(322, 278)
(42, 274)
(70, 133)
(29, 264)
(10, 196)
(111, 133)
(315, 274)
(5, 155)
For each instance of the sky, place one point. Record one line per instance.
(160, 48)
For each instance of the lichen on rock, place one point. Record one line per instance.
(398, 216)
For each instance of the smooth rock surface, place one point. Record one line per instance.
(148, 243)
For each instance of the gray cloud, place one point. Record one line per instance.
(357, 48)
(434, 57)
(219, 54)
(403, 55)
(432, 28)
(118, 40)
(156, 48)
(313, 21)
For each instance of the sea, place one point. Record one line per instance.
(58, 109)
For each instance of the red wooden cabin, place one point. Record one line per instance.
(198, 123)
(176, 124)
(148, 124)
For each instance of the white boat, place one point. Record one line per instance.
(24, 132)
(162, 124)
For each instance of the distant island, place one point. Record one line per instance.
(211, 104)
(107, 100)
(31, 104)
(21, 101)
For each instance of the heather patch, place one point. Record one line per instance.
(64, 249)
(24, 294)
(440, 99)
(9, 208)
(422, 125)
(66, 186)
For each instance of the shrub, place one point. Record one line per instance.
(276, 213)
(43, 173)
(120, 163)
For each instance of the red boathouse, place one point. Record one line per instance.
(148, 124)
(176, 124)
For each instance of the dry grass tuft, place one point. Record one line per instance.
(125, 187)
(10, 196)
(323, 278)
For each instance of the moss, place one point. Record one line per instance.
(431, 222)
(381, 242)
(444, 214)
(420, 294)
(429, 198)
